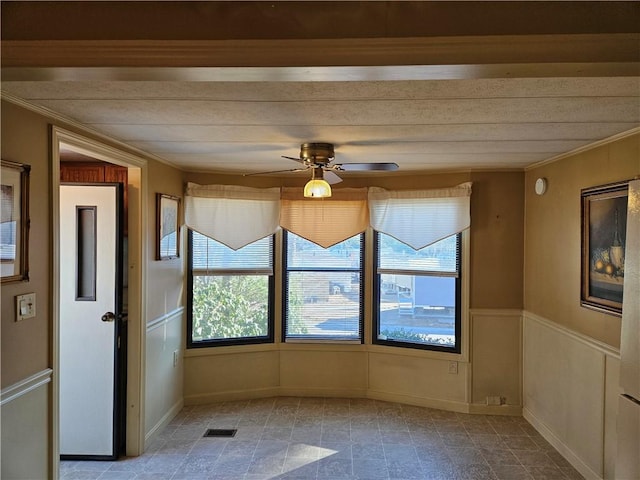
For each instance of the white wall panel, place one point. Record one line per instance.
(565, 390)
(164, 380)
(25, 429)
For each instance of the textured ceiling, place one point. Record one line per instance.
(230, 87)
(242, 127)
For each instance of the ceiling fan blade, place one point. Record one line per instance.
(362, 167)
(275, 171)
(331, 177)
(299, 160)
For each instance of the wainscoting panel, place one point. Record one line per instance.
(231, 373)
(25, 428)
(164, 371)
(566, 393)
(323, 373)
(496, 356)
(418, 381)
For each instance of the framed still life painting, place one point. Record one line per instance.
(604, 226)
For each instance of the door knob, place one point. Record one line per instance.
(108, 317)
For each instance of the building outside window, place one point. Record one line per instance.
(230, 292)
(418, 294)
(323, 289)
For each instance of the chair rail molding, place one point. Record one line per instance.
(25, 386)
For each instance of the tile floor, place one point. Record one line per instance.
(336, 438)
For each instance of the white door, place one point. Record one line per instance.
(89, 324)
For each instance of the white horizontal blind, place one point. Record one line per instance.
(439, 257)
(323, 289)
(211, 256)
(420, 217)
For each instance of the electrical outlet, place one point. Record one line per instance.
(25, 306)
(176, 357)
(453, 368)
(496, 400)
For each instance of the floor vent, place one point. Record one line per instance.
(220, 432)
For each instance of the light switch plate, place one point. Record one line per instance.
(25, 306)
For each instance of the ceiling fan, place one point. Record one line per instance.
(319, 157)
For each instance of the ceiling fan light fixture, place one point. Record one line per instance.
(317, 187)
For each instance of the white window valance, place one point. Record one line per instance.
(233, 215)
(325, 222)
(237, 216)
(420, 217)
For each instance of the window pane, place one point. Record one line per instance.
(418, 292)
(418, 309)
(437, 257)
(230, 306)
(323, 289)
(323, 304)
(302, 253)
(209, 255)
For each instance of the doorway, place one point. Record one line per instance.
(64, 144)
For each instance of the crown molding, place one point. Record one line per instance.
(70, 122)
(585, 148)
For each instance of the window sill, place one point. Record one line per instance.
(326, 346)
(416, 352)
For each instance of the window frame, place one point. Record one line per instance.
(361, 291)
(459, 286)
(269, 338)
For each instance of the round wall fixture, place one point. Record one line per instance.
(541, 186)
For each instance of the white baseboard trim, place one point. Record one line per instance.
(323, 392)
(164, 421)
(205, 398)
(560, 446)
(508, 410)
(450, 405)
(25, 386)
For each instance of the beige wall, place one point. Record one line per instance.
(552, 235)
(495, 274)
(25, 345)
(165, 277)
(497, 233)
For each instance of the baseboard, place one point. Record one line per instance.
(164, 421)
(560, 446)
(323, 392)
(508, 410)
(205, 398)
(449, 405)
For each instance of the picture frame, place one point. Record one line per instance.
(14, 221)
(168, 235)
(604, 222)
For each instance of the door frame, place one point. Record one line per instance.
(137, 268)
